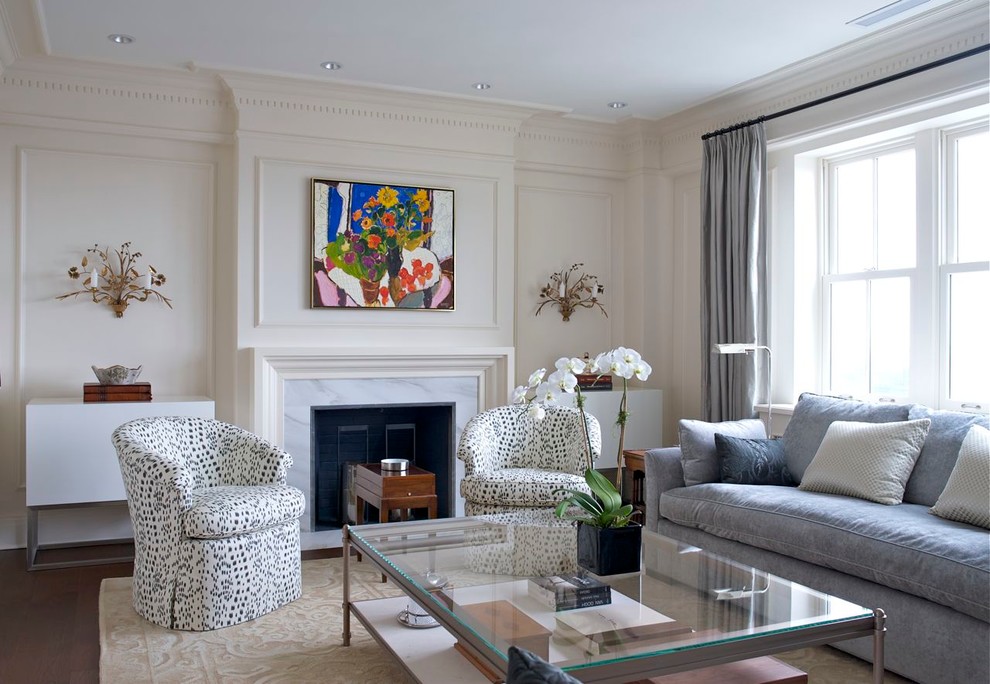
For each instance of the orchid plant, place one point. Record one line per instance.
(604, 508)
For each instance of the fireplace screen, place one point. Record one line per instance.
(345, 436)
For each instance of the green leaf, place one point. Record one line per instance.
(603, 489)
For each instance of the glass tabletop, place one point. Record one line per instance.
(496, 584)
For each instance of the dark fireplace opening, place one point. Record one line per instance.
(345, 436)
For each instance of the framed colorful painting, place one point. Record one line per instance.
(380, 245)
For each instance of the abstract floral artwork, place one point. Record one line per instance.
(382, 246)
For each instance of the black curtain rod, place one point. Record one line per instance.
(851, 91)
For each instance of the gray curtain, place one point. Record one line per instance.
(734, 265)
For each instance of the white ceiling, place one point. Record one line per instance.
(575, 56)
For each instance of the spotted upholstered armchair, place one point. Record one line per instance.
(216, 529)
(512, 461)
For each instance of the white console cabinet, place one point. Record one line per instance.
(644, 429)
(69, 457)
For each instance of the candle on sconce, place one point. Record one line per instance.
(563, 290)
(146, 281)
(94, 279)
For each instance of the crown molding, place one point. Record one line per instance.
(833, 72)
(307, 96)
(578, 132)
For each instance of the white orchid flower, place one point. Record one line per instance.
(642, 370)
(570, 365)
(537, 377)
(536, 411)
(547, 392)
(630, 356)
(563, 380)
(621, 368)
(601, 363)
(519, 394)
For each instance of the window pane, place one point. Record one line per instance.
(854, 216)
(850, 339)
(969, 365)
(890, 318)
(972, 204)
(896, 210)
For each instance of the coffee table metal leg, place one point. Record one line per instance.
(346, 550)
(879, 628)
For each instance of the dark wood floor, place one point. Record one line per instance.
(49, 619)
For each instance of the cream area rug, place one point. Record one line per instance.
(300, 642)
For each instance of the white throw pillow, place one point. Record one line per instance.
(871, 461)
(966, 497)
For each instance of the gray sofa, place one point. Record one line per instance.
(930, 575)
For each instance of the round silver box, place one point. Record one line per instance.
(399, 465)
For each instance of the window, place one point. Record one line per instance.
(905, 279)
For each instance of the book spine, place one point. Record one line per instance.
(586, 602)
(90, 398)
(567, 600)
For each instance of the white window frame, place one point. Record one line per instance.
(923, 297)
(949, 264)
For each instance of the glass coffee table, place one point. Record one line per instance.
(686, 609)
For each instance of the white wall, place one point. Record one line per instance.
(209, 174)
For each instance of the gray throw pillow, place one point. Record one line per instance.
(938, 456)
(814, 413)
(528, 668)
(866, 460)
(698, 456)
(966, 497)
(752, 461)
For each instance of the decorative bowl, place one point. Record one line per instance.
(117, 375)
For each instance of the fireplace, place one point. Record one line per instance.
(345, 436)
(288, 382)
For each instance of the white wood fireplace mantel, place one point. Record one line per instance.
(494, 368)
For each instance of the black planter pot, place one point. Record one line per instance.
(609, 550)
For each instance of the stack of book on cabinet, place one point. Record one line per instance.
(567, 592)
(138, 391)
(623, 626)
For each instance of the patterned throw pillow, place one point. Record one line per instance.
(697, 438)
(529, 668)
(966, 497)
(871, 461)
(753, 461)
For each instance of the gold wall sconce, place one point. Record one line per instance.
(116, 280)
(569, 291)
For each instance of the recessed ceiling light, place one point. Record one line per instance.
(481, 86)
(618, 105)
(120, 38)
(332, 66)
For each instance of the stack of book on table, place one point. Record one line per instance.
(138, 391)
(567, 592)
(622, 626)
(590, 381)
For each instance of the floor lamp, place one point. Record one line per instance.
(751, 349)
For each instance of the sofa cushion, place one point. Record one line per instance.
(221, 512)
(866, 460)
(752, 461)
(902, 547)
(966, 497)
(813, 414)
(520, 487)
(698, 454)
(946, 435)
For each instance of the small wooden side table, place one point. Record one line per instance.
(390, 490)
(635, 464)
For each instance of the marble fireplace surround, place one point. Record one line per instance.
(288, 382)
